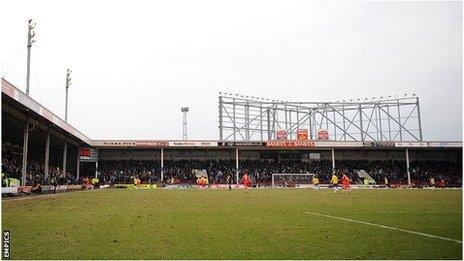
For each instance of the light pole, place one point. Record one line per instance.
(65, 150)
(30, 41)
(184, 110)
(68, 83)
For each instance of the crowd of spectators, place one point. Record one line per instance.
(260, 171)
(443, 171)
(11, 164)
(12, 168)
(124, 171)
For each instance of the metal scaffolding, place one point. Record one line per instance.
(243, 118)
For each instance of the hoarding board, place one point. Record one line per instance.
(409, 144)
(335, 144)
(290, 144)
(193, 144)
(242, 144)
(379, 144)
(314, 156)
(322, 135)
(281, 135)
(130, 143)
(302, 134)
(445, 144)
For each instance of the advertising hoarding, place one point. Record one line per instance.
(302, 134)
(193, 144)
(242, 144)
(281, 135)
(290, 144)
(339, 144)
(322, 135)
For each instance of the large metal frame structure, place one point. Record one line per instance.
(244, 118)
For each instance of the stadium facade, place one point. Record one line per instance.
(40, 135)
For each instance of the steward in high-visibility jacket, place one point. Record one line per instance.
(95, 182)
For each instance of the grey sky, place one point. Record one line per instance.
(135, 63)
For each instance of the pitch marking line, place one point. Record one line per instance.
(383, 226)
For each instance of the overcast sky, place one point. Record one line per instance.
(135, 63)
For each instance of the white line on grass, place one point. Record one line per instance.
(383, 226)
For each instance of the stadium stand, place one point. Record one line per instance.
(57, 153)
(261, 170)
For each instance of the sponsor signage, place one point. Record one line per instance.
(150, 144)
(322, 135)
(379, 144)
(88, 155)
(115, 143)
(281, 135)
(445, 144)
(141, 186)
(411, 144)
(223, 186)
(336, 144)
(242, 144)
(290, 144)
(130, 143)
(199, 173)
(9, 189)
(302, 134)
(314, 156)
(193, 143)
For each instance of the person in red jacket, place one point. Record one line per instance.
(345, 182)
(246, 181)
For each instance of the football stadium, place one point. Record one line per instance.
(346, 179)
(156, 199)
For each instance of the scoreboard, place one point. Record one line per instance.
(88, 155)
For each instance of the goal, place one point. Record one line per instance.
(292, 179)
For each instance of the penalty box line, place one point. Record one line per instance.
(383, 226)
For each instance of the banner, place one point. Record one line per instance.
(242, 144)
(335, 144)
(445, 144)
(314, 156)
(150, 144)
(290, 144)
(322, 135)
(302, 134)
(379, 144)
(10, 190)
(130, 143)
(411, 144)
(193, 143)
(199, 173)
(281, 135)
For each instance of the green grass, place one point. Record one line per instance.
(221, 224)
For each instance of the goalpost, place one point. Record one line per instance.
(295, 178)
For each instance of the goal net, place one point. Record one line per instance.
(292, 179)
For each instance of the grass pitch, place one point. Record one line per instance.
(221, 224)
